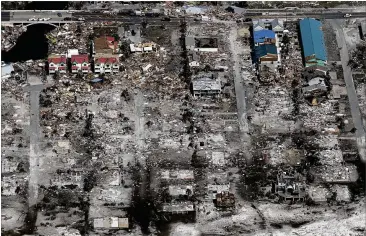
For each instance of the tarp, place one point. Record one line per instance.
(96, 80)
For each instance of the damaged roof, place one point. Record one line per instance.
(206, 82)
(57, 59)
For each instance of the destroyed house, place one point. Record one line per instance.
(9, 164)
(264, 37)
(143, 47)
(80, 63)
(206, 44)
(315, 87)
(105, 45)
(190, 43)
(207, 85)
(177, 207)
(313, 45)
(57, 63)
(111, 223)
(114, 196)
(214, 189)
(180, 191)
(177, 175)
(265, 52)
(217, 159)
(225, 200)
(289, 188)
(318, 68)
(111, 177)
(106, 64)
(68, 178)
(10, 185)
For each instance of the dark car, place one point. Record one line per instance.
(166, 19)
(59, 14)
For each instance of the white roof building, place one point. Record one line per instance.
(6, 70)
(71, 52)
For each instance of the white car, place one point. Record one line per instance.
(32, 19)
(81, 18)
(347, 15)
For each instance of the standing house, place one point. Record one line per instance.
(57, 63)
(80, 63)
(106, 64)
(277, 26)
(264, 37)
(259, 25)
(266, 53)
(312, 38)
(105, 45)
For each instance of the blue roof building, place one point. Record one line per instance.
(265, 52)
(312, 38)
(262, 36)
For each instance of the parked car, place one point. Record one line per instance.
(59, 14)
(33, 19)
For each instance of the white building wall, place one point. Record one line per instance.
(206, 49)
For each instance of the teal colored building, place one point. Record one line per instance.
(313, 44)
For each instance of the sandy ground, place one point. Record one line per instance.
(247, 221)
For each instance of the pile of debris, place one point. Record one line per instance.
(70, 36)
(273, 104)
(9, 36)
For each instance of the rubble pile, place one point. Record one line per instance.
(292, 66)
(70, 36)
(152, 76)
(9, 36)
(319, 118)
(273, 104)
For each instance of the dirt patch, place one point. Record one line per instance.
(331, 42)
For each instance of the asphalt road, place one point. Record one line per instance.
(318, 15)
(25, 16)
(351, 91)
(35, 90)
(241, 95)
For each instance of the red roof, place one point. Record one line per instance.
(57, 59)
(74, 67)
(52, 68)
(61, 67)
(79, 58)
(104, 60)
(109, 38)
(85, 67)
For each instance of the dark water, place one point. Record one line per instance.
(47, 5)
(32, 44)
